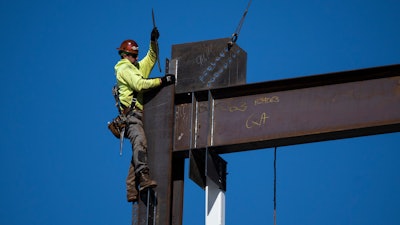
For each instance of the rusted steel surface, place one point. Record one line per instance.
(292, 111)
(208, 64)
(261, 115)
(158, 125)
(197, 167)
(216, 169)
(178, 174)
(207, 164)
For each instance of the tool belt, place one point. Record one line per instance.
(120, 122)
(117, 125)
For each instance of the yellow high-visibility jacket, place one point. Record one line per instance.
(134, 79)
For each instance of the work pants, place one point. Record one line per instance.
(131, 184)
(137, 137)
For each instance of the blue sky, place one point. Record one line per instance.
(60, 165)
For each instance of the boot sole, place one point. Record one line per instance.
(150, 186)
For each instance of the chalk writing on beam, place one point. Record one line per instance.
(256, 120)
(241, 107)
(266, 100)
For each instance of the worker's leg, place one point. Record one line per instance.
(136, 135)
(139, 149)
(131, 187)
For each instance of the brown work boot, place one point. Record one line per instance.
(132, 195)
(145, 181)
(131, 187)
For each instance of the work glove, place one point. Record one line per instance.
(154, 34)
(168, 79)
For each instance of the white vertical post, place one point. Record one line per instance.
(215, 204)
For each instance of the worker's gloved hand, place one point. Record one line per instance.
(168, 79)
(154, 34)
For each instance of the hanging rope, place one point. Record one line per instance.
(275, 186)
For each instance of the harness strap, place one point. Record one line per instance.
(115, 93)
(125, 110)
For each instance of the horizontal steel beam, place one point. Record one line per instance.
(291, 111)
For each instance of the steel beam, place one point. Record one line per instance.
(207, 165)
(178, 169)
(261, 115)
(158, 125)
(208, 64)
(287, 112)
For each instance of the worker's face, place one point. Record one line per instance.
(132, 57)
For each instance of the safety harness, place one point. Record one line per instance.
(118, 125)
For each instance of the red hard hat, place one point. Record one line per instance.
(129, 46)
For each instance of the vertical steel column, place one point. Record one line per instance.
(178, 173)
(158, 125)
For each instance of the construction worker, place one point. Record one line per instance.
(133, 79)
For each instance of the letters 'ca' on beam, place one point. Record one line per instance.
(292, 111)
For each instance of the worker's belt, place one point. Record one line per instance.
(126, 109)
